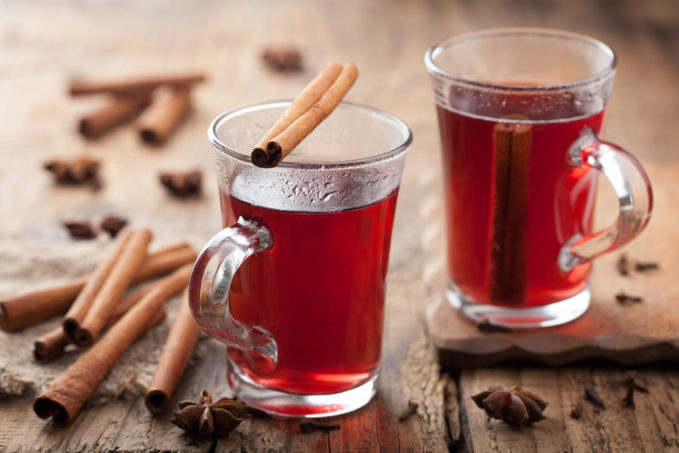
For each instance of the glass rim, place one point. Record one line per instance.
(441, 46)
(393, 153)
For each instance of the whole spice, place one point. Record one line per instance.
(182, 184)
(631, 384)
(592, 394)
(310, 427)
(80, 230)
(624, 298)
(410, 410)
(576, 411)
(643, 267)
(78, 171)
(206, 418)
(282, 58)
(514, 406)
(623, 265)
(112, 224)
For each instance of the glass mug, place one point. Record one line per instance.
(520, 111)
(295, 283)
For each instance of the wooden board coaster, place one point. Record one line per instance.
(629, 334)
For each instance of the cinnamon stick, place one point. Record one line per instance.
(137, 86)
(116, 283)
(309, 95)
(117, 110)
(76, 314)
(507, 270)
(31, 308)
(168, 108)
(286, 141)
(64, 398)
(51, 345)
(176, 354)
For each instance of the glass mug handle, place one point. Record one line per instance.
(632, 187)
(209, 291)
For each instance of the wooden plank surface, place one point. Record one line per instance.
(42, 44)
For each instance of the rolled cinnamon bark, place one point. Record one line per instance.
(132, 86)
(117, 110)
(508, 241)
(116, 283)
(309, 95)
(76, 314)
(283, 144)
(176, 354)
(51, 345)
(168, 108)
(31, 308)
(64, 398)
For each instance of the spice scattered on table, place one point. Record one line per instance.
(205, 418)
(283, 58)
(624, 298)
(310, 427)
(577, 410)
(592, 395)
(514, 406)
(643, 267)
(80, 229)
(410, 410)
(486, 326)
(182, 184)
(622, 265)
(75, 171)
(112, 224)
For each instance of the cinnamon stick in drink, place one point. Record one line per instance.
(176, 354)
(31, 308)
(138, 86)
(168, 108)
(508, 272)
(309, 95)
(115, 284)
(64, 398)
(117, 110)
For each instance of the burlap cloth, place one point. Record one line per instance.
(28, 266)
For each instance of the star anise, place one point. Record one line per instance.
(76, 171)
(283, 58)
(206, 418)
(182, 184)
(515, 406)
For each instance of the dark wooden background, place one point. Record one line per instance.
(43, 43)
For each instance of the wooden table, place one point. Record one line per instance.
(42, 44)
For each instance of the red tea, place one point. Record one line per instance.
(550, 202)
(319, 291)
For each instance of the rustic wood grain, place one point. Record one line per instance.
(41, 46)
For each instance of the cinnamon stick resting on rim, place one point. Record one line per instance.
(117, 110)
(176, 354)
(507, 270)
(142, 85)
(31, 308)
(64, 398)
(168, 107)
(313, 105)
